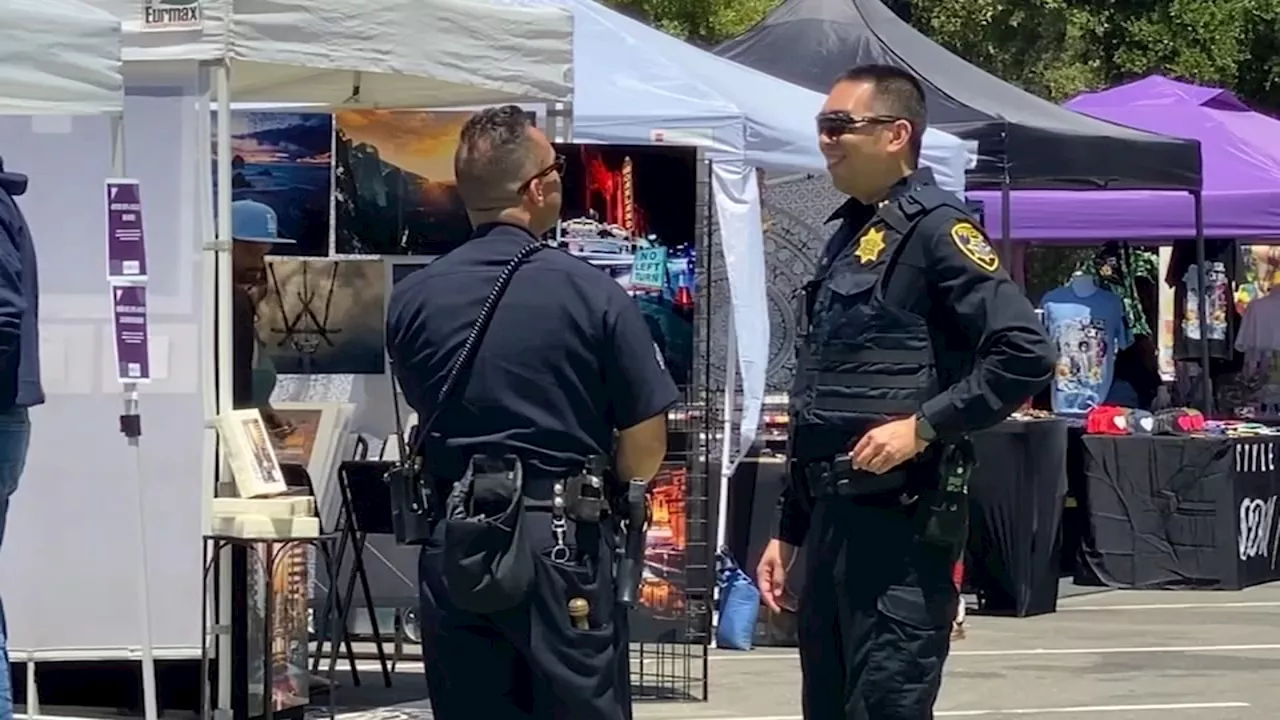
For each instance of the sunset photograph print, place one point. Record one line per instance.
(285, 160)
(394, 190)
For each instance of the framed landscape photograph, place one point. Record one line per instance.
(325, 317)
(249, 448)
(315, 443)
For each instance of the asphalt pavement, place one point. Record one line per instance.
(1121, 655)
(1111, 656)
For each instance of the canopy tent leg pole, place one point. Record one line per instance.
(139, 485)
(559, 122)
(33, 687)
(1202, 289)
(1006, 226)
(209, 469)
(222, 279)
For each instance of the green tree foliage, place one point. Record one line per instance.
(1039, 45)
(701, 22)
(1057, 48)
(1054, 48)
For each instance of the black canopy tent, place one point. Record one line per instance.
(1023, 142)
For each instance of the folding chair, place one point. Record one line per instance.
(358, 480)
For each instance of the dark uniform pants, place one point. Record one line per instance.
(875, 614)
(529, 662)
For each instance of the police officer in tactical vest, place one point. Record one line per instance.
(914, 336)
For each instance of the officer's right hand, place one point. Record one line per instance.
(771, 573)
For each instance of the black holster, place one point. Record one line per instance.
(634, 516)
(488, 565)
(947, 515)
(837, 477)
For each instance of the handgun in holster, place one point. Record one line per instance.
(947, 524)
(634, 517)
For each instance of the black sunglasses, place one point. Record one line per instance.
(556, 166)
(833, 125)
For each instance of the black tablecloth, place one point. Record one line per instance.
(1167, 512)
(753, 500)
(1016, 496)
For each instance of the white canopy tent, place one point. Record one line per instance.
(390, 54)
(638, 85)
(59, 57)
(385, 53)
(375, 53)
(62, 57)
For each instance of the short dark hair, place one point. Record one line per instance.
(898, 93)
(493, 157)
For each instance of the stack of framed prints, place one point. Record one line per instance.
(321, 436)
(316, 443)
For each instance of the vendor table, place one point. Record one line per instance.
(1016, 495)
(255, 691)
(1191, 512)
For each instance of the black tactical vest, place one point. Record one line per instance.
(863, 361)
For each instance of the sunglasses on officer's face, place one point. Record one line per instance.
(834, 125)
(556, 166)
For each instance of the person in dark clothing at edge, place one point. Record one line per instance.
(567, 361)
(20, 386)
(914, 338)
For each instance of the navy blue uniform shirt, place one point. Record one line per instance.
(567, 360)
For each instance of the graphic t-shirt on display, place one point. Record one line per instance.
(1223, 269)
(1089, 330)
(1259, 340)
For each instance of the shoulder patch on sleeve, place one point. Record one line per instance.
(974, 245)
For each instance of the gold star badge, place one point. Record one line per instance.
(870, 246)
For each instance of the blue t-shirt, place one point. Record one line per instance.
(1089, 331)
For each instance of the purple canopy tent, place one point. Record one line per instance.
(1241, 164)
(1240, 196)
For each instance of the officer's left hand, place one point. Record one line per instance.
(888, 446)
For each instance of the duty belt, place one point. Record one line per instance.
(837, 478)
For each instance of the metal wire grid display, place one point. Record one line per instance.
(675, 669)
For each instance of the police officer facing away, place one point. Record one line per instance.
(567, 361)
(915, 337)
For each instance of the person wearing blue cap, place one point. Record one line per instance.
(255, 230)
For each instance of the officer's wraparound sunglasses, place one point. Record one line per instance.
(833, 125)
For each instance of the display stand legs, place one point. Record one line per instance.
(269, 554)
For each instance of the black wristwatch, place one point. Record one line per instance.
(924, 430)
